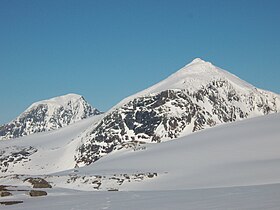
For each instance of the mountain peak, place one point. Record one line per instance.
(197, 60)
(60, 100)
(198, 96)
(48, 115)
(198, 73)
(199, 64)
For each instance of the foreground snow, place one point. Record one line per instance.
(252, 197)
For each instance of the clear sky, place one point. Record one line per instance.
(106, 50)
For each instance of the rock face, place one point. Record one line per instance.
(198, 96)
(48, 115)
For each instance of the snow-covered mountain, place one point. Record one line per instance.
(198, 96)
(231, 166)
(48, 115)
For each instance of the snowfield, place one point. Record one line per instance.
(250, 197)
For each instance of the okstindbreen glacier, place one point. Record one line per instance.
(232, 166)
(200, 139)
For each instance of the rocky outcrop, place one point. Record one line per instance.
(38, 182)
(36, 193)
(10, 156)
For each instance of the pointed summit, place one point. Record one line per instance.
(198, 66)
(193, 76)
(197, 60)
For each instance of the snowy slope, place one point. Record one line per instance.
(231, 166)
(45, 152)
(48, 115)
(236, 154)
(198, 96)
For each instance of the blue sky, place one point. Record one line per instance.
(106, 50)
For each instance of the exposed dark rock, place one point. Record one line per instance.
(3, 187)
(36, 193)
(38, 182)
(5, 193)
(7, 203)
(113, 189)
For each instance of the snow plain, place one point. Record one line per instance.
(250, 197)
